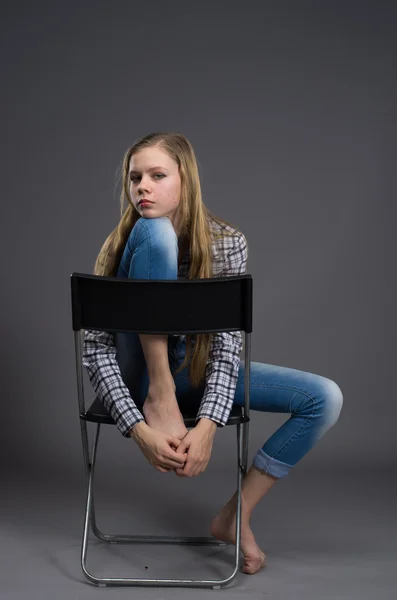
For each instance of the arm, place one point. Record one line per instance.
(224, 358)
(99, 359)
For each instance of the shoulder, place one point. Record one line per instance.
(226, 238)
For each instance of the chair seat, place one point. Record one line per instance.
(97, 413)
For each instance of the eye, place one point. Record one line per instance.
(134, 177)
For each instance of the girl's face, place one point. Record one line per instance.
(154, 176)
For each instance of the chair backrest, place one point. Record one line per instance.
(162, 306)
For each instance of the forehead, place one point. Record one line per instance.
(149, 158)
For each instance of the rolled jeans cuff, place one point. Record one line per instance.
(272, 466)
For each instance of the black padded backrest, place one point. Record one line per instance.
(162, 306)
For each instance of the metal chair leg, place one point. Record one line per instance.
(245, 427)
(87, 465)
(215, 584)
(87, 517)
(122, 538)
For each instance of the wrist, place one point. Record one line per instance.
(138, 429)
(207, 424)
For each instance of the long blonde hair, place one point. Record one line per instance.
(194, 223)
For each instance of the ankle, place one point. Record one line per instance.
(160, 387)
(231, 508)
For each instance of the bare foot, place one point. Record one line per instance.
(223, 527)
(162, 412)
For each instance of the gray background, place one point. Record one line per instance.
(291, 109)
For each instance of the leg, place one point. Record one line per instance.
(315, 403)
(151, 252)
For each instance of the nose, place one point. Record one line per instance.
(142, 185)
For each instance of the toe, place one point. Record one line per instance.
(253, 564)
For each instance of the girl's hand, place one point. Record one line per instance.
(158, 447)
(198, 442)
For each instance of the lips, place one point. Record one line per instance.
(144, 202)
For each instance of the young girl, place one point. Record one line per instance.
(167, 232)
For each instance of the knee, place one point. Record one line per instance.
(157, 224)
(159, 229)
(333, 402)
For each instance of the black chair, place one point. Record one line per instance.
(111, 304)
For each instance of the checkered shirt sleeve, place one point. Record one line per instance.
(224, 359)
(99, 359)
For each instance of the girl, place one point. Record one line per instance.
(167, 232)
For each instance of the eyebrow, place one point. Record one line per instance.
(150, 169)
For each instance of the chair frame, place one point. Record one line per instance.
(89, 463)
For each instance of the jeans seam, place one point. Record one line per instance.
(147, 238)
(286, 387)
(296, 432)
(271, 457)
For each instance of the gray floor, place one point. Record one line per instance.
(326, 535)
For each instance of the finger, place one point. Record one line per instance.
(182, 447)
(193, 467)
(176, 457)
(171, 439)
(173, 464)
(196, 470)
(180, 472)
(162, 469)
(187, 469)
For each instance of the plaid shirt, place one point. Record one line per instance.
(99, 352)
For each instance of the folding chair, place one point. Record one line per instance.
(113, 304)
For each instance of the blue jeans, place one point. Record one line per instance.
(313, 401)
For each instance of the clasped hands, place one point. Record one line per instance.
(198, 445)
(187, 457)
